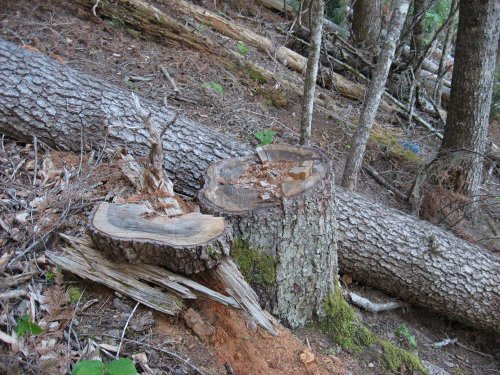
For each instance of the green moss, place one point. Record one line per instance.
(343, 325)
(395, 358)
(74, 294)
(256, 75)
(388, 138)
(256, 266)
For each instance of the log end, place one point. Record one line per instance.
(133, 232)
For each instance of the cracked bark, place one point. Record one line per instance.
(412, 259)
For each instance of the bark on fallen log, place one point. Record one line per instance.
(412, 259)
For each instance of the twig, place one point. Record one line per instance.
(125, 328)
(94, 8)
(382, 181)
(170, 79)
(373, 307)
(473, 350)
(444, 342)
(71, 322)
(193, 367)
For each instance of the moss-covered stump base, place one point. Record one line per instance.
(280, 202)
(134, 233)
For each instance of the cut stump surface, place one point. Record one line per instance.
(132, 232)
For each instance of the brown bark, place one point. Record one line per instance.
(295, 224)
(317, 9)
(366, 23)
(471, 90)
(381, 246)
(374, 96)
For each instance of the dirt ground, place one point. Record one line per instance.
(75, 37)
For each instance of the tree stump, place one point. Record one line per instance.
(132, 232)
(280, 203)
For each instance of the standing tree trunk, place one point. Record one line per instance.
(374, 95)
(317, 9)
(471, 90)
(443, 68)
(367, 23)
(43, 98)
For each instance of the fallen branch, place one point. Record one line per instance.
(373, 307)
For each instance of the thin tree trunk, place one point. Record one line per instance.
(367, 23)
(317, 9)
(373, 96)
(438, 90)
(471, 91)
(383, 247)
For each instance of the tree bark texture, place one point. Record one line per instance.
(317, 9)
(299, 230)
(366, 23)
(374, 95)
(471, 90)
(418, 262)
(41, 97)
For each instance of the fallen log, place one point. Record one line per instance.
(149, 20)
(410, 258)
(280, 201)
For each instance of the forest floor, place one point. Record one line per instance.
(68, 184)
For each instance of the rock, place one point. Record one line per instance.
(200, 327)
(307, 357)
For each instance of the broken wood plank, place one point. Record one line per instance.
(88, 263)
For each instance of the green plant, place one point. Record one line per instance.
(50, 276)
(122, 366)
(242, 48)
(403, 332)
(25, 325)
(214, 85)
(74, 294)
(265, 137)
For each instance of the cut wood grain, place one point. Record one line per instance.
(132, 232)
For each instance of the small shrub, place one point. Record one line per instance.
(25, 325)
(74, 294)
(123, 366)
(403, 332)
(215, 86)
(242, 48)
(265, 137)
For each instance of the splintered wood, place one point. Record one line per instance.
(81, 258)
